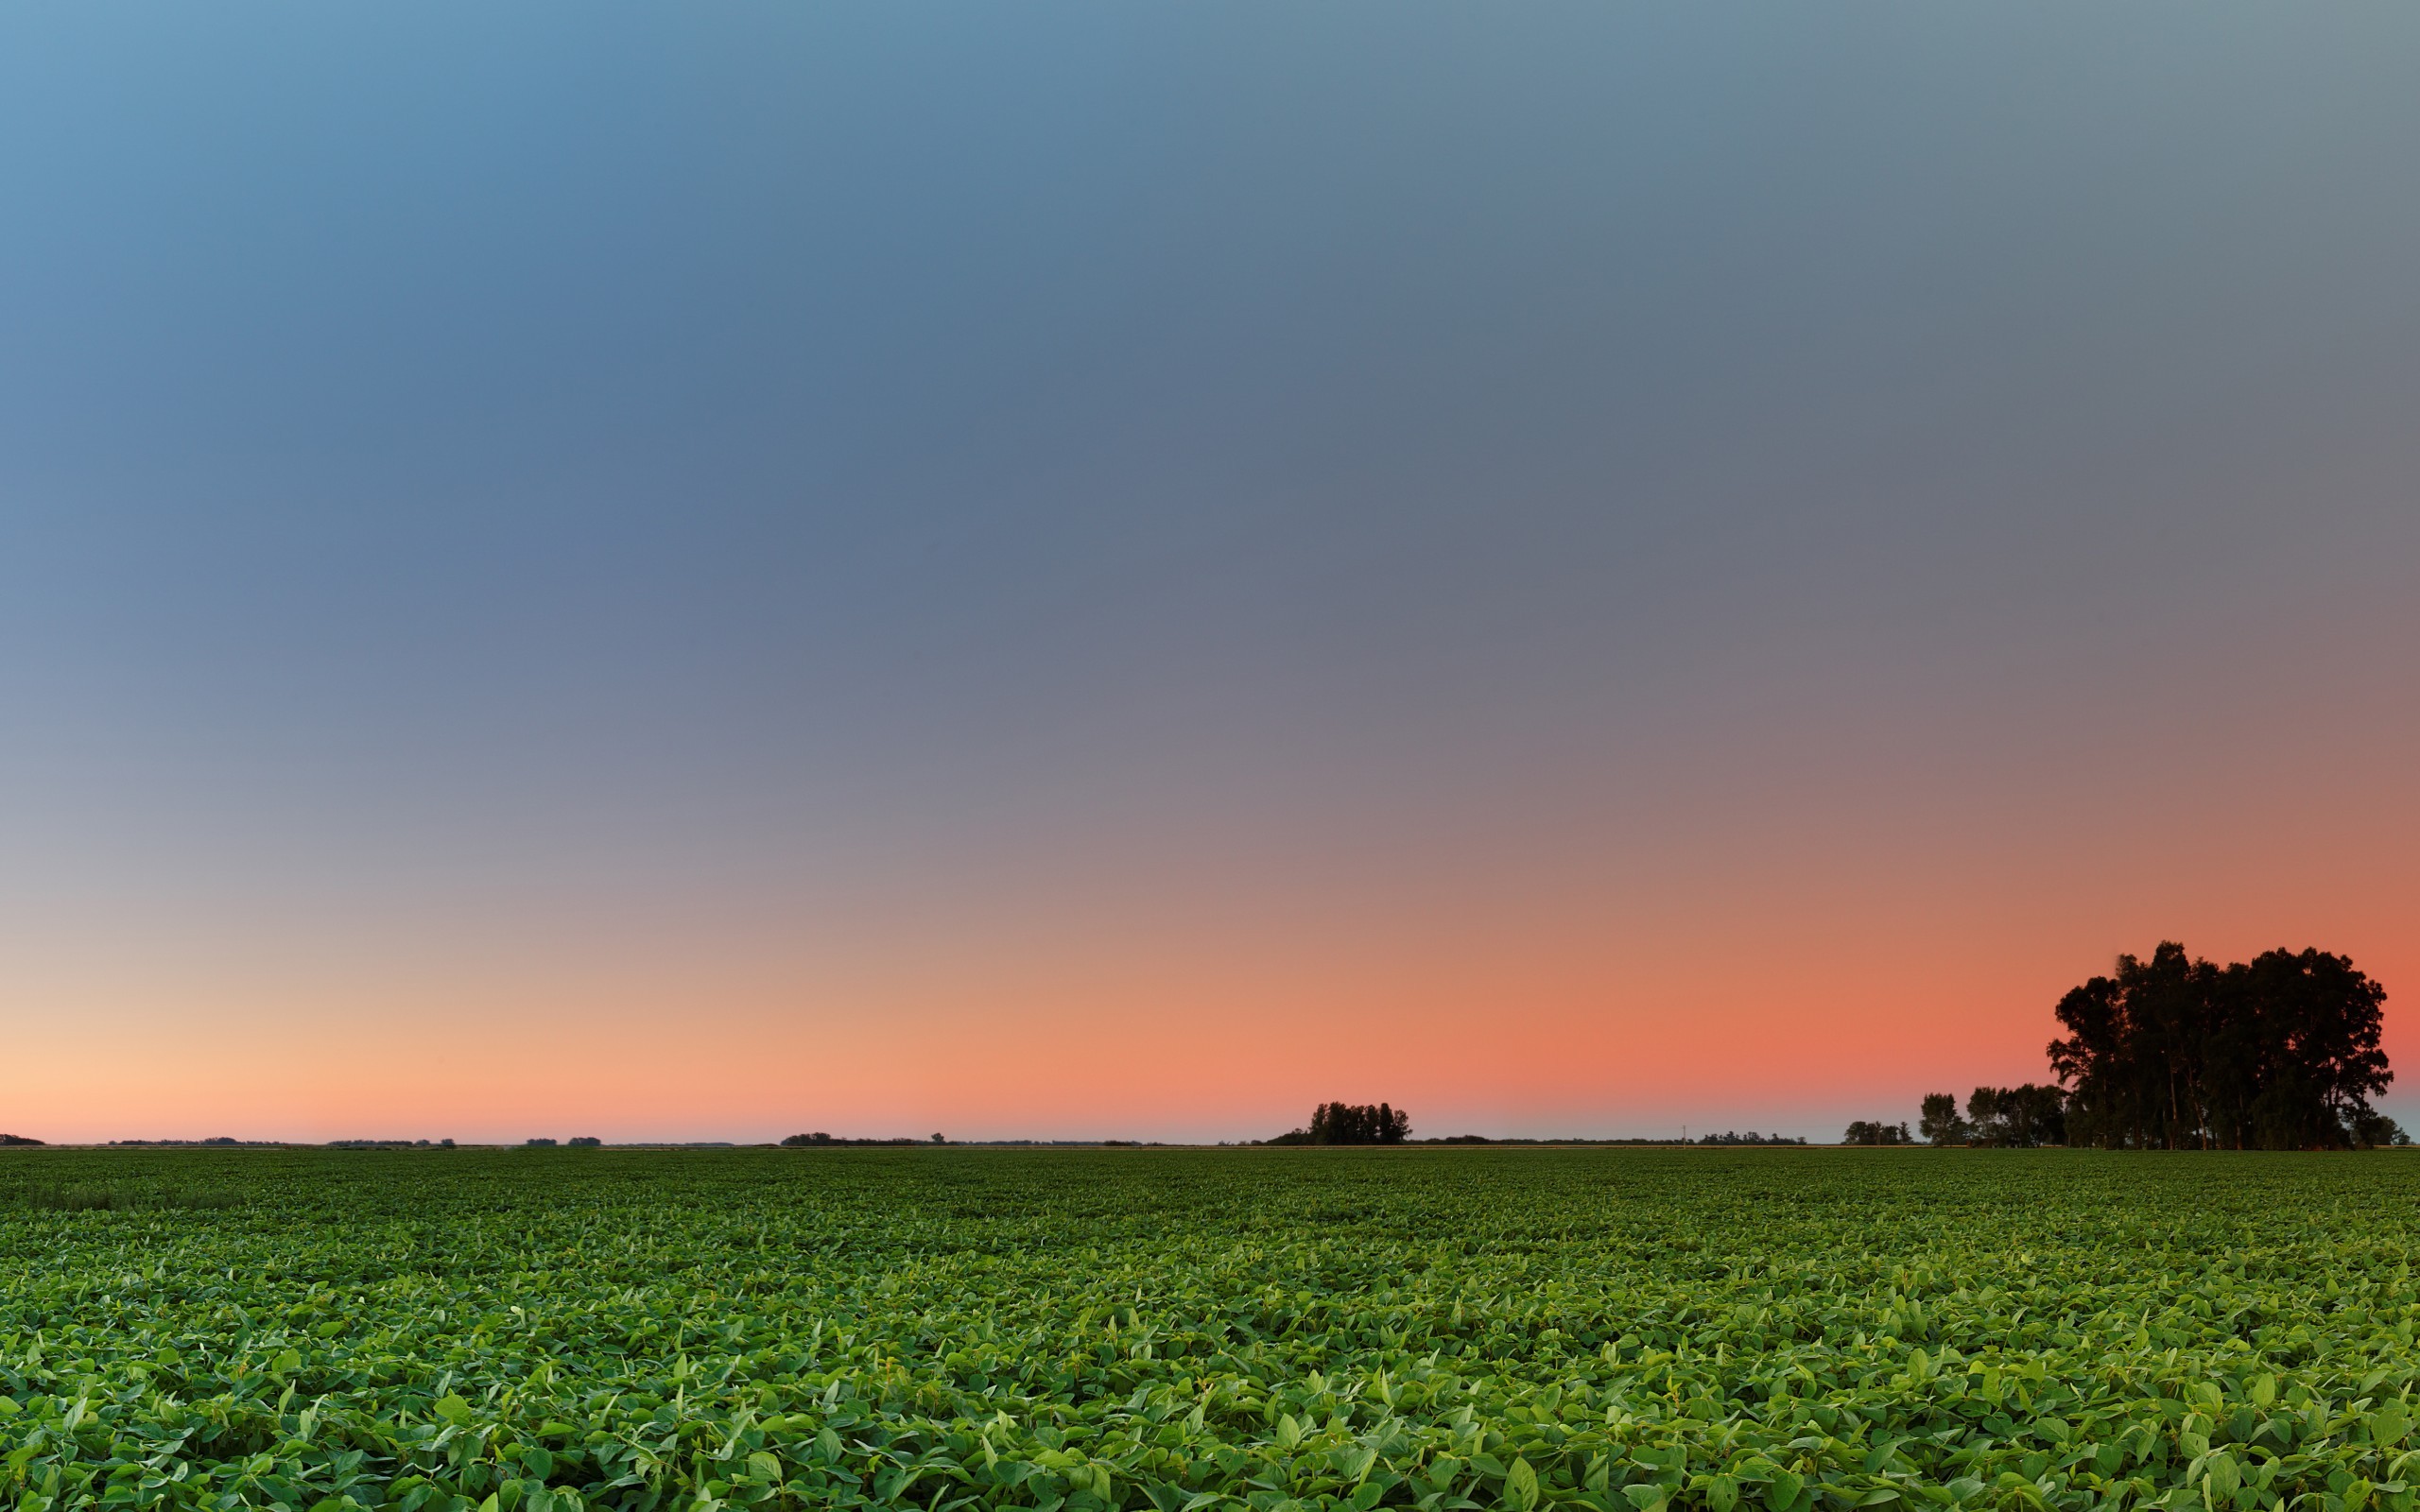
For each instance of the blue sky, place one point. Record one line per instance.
(911, 484)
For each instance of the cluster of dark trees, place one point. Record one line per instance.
(2012, 1117)
(394, 1144)
(1862, 1132)
(1752, 1137)
(1352, 1123)
(2277, 1053)
(800, 1142)
(17, 1138)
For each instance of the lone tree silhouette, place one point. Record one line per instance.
(1938, 1122)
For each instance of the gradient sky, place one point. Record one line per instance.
(1071, 570)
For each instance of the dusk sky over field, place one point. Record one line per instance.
(1077, 571)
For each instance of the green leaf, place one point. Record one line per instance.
(1781, 1490)
(2390, 1424)
(1521, 1486)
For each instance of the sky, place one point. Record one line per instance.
(1075, 571)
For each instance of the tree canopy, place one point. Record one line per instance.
(1352, 1123)
(2019, 1117)
(2016, 1117)
(2280, 1051)
(1937, 1121)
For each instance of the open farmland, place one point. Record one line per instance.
(539, 1332)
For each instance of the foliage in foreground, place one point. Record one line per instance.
(1741, 1330)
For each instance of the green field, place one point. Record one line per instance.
(1615, 1329)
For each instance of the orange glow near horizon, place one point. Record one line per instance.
(1720, 1001)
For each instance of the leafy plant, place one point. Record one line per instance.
(1738, 1330)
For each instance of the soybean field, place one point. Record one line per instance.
(1629, 1330)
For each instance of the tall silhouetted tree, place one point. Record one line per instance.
(2278, 1053)
(1938, 1122)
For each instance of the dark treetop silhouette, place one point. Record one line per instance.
(2279, 1053)
(1352, 1123)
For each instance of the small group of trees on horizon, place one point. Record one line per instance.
(1352, 1123)
(392, 1145)
(2277, 1053)
(2021, 1118)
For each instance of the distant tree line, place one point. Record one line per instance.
(16, 1139)
(2277, 1053)
(225, 1141)
(1862, 1132)
(1658, 1143)
(820, 1138)
(1384, 1124)
(1352, 1123)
